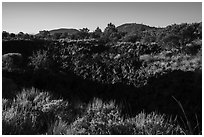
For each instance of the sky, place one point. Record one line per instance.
(33, 17)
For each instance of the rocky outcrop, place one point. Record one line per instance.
(12, 61)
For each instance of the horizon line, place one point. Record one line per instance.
(33, 33)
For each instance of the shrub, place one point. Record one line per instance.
(5, 103)
(31, 112)
(193, 47)
(106, 119)
(40, 60)
(152, 124)
(99, 119)
(58, 128)
(12, 61)
(131, 38)
(37, 113)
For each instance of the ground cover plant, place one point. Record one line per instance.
(35, 112)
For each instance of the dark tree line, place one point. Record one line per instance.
(175, 36)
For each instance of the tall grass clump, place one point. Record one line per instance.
(59, 127)
(105, 119)
(31, 112)
(187, 123)
(99, 119)
(153, 124)
(34, 112)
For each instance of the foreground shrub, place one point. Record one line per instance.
(105, 119)
(99, 118)
(5, 103)
(31, 112)
(152, 124)
(58, 128)
(34, 112)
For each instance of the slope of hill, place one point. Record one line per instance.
(133, 27)
(63, 30)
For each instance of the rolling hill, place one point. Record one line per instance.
(63, 30)
(133, 27)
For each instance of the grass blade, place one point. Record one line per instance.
(187, 121)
